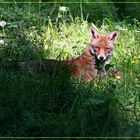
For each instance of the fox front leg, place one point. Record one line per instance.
(87, 78)
(90, 75)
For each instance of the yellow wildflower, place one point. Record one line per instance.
(118, 77)
(133, 62)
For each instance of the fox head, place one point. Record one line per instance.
(102, 46)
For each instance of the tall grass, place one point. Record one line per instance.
(38, 105)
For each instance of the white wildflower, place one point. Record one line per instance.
(63, 8)
(2, 42)
(45, 47)
(2, 23)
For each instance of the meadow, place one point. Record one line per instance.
(38, 105)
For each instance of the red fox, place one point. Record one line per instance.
(88, 65)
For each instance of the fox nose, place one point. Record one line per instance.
(101, 58)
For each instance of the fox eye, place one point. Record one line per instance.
(108, 49)
(96, 47)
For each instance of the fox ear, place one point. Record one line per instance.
(113, 36)
(93, 33)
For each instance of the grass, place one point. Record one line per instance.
(38, 105)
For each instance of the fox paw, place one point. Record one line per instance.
(116, 74)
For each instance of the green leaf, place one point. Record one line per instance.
(93, 101)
